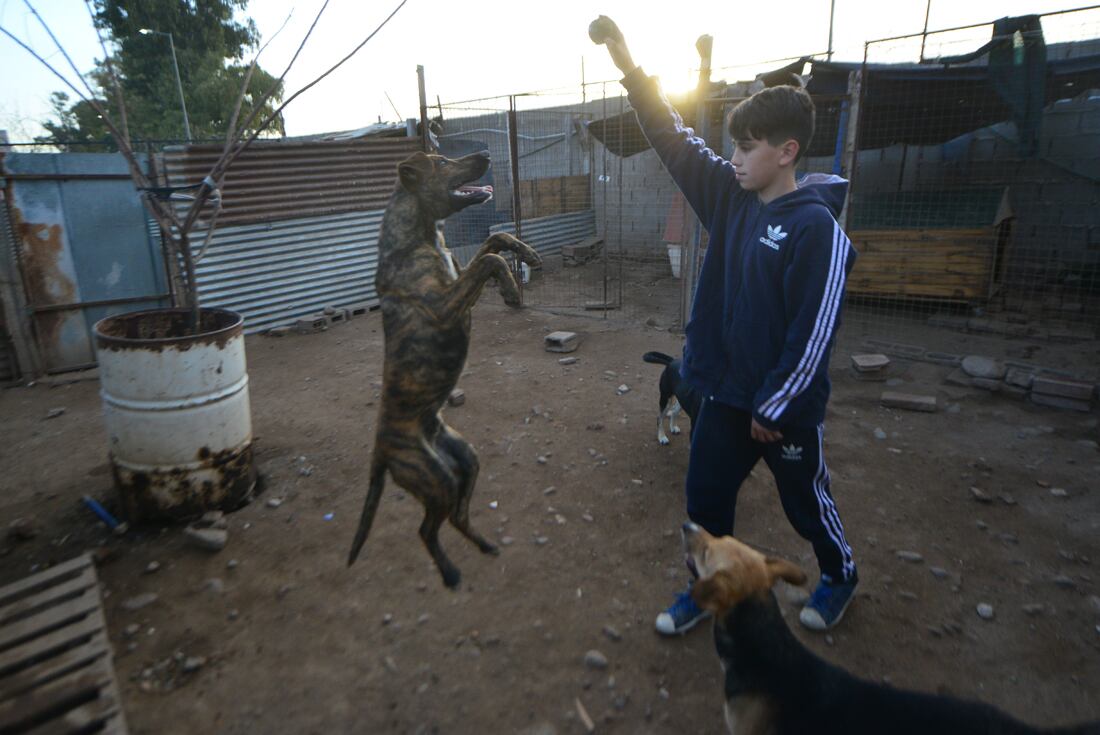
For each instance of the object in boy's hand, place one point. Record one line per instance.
(603, 29)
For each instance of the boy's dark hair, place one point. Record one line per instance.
(776, 114)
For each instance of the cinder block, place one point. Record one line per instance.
(869, 363)
(1019, 378)
(909, 401)
(312, 324)
(358, 309)
(561, 341)
(1075, 389)
(340, 315)
(1067, 404)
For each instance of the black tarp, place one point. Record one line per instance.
(919, 104)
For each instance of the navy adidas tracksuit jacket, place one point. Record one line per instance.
(766, 310)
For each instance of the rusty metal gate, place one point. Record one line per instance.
(81, 249)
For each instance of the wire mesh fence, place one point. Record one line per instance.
(976, 185)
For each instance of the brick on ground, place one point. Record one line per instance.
(561, 341)
(1075, 389)
(909, 401)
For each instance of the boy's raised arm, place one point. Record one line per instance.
(704, 177)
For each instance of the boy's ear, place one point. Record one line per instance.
(788, 152)
(716, 593)
(413, 170)
(785, 570)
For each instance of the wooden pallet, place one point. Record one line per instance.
(56, 672)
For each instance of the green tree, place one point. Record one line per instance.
(211, 48)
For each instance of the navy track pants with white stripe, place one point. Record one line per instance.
(723, 453)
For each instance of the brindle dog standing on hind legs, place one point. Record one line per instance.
(426, 305)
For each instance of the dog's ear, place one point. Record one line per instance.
(785, 570)
(413, 170)
(716, 593)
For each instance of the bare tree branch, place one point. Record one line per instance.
(270, 118)
(119, 100)
(258, 106)
(123, 146)
(231, 133)
(59, 47)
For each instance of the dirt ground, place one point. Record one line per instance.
(295, 642)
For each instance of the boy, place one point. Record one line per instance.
(762, 324)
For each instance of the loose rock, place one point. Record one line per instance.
(880, 434)
(910, 556)
(612, 633)
(980, 495)
(985, 611)
(1059, 492)
(152, 567)
(1064, 582)
(977, 366)
(1033, 609)
(210, 539)
(193, 664)
(274, 502)
(23, 529)
(595, 660)
(137, 602)
(938, 572)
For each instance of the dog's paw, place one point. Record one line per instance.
(489, 549)
(530, 257)
(675, 429)
(512, 299)
(451, 577)
(663, 441)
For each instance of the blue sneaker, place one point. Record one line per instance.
(681, 616)
(827, 604)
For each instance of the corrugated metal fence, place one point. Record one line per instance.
(299, 226)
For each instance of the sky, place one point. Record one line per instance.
(498, 47)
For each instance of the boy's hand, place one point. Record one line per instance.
(762, 435)
(604, 31)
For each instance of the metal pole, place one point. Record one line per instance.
(924, 33)
(603, 187)
(622, 253)
(688, 265)
(832, 16)
(513, 154)
(425, 135)
(179, 86)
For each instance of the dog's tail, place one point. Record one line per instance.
(657, 358)
(370, 506)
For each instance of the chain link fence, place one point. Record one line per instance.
(976, 187)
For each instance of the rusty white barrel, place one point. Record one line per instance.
(177, 412)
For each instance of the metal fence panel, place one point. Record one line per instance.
(275, 272)
(82, 248)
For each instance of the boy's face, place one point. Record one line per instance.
(759, 163)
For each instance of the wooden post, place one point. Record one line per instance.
(425, 134)
(848, 155)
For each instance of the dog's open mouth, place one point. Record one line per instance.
(469, 194)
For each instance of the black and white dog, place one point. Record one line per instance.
(676, 395)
